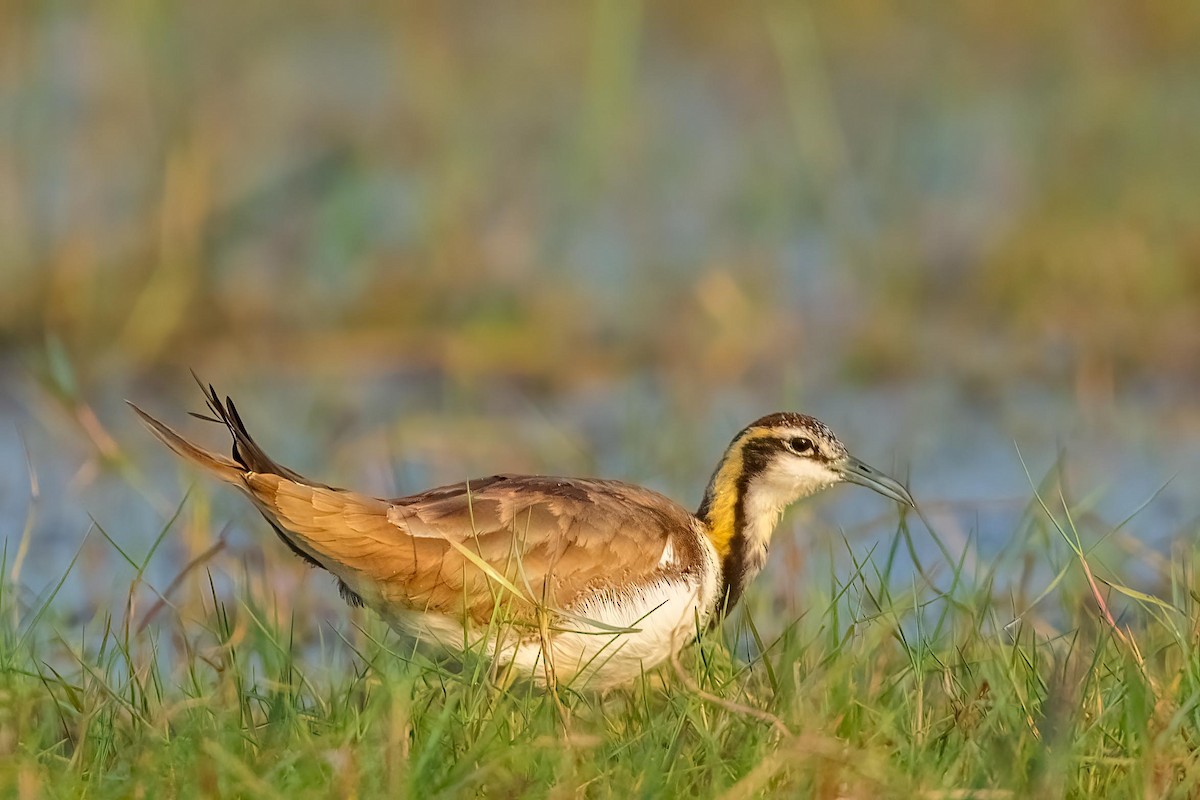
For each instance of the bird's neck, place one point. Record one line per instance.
(740, 512)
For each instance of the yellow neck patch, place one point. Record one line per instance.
(723, 494)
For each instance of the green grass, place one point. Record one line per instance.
(883, 685)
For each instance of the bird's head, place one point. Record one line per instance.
(788, 456)
(774, 462)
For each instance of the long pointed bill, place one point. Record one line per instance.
(855, 471)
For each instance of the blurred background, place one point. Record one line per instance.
(424, 242)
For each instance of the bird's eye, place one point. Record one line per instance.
(800, 445)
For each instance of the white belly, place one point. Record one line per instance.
(656, 620)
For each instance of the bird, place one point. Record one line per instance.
(579, 582)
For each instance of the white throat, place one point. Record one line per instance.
(763, 508)
(771, 493)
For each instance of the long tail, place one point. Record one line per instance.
(244, 470)
(225, 468)
(247, 455)
(329, 528)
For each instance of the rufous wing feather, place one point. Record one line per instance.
(553, 539)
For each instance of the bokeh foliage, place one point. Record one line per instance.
(556, 189)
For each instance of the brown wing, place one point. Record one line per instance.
(553, 538)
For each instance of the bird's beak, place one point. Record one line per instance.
(855, 471)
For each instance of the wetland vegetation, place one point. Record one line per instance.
(420, 244)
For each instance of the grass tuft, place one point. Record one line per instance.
(943, 685)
